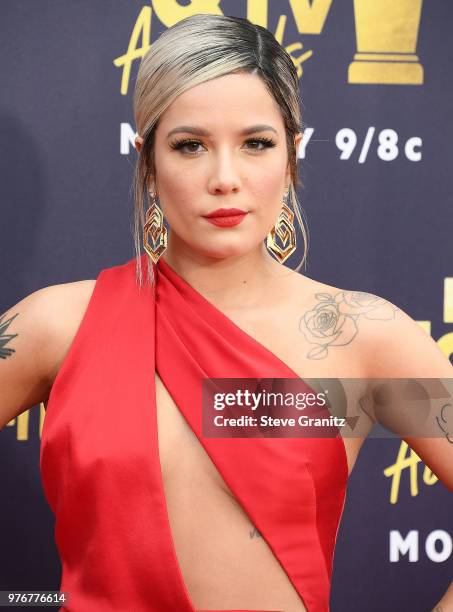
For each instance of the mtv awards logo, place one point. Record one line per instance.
(386, 34)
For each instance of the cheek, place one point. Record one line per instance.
(178, 200)
(274, 178)
(179, 190)
(172, 178)
(268, 197)
(267, 179)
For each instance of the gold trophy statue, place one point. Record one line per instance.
(386, 34)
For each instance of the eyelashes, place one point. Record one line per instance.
(184, 142)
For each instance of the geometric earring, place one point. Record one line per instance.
(285, 231)
(154, 231)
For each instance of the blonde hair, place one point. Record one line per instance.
(194, 50)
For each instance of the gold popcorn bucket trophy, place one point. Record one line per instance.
(386, 35)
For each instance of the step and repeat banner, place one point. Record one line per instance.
(376, 163)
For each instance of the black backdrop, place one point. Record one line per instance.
(380, 220)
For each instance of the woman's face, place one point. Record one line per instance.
(209, 163)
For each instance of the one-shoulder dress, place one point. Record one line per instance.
(99, 459)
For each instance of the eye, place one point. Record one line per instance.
(267, 142)
(181, 144)
(185, 142)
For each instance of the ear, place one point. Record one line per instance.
(298, 139)
(138, 143)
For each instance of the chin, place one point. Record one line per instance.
(224, 252)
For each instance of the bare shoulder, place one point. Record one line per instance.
(35, 336)
(355, 334)
(62, 308)
(400, 347)
(46, 320)
(408, 381)
(336, 323)
(390, 341)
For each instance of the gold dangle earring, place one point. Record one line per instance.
(154, 230)
(285, 230)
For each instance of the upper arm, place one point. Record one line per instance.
(418, 408)
(35, 335)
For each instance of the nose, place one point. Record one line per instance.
(224, 176)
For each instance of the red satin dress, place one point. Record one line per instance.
(100, 464)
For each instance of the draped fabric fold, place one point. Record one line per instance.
(100, 464)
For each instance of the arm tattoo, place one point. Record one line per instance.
(333, 321)
(5, 338)
(446, 414)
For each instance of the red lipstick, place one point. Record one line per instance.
(226, 217)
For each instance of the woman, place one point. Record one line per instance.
(150, 513)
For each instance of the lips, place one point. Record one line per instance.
(226, 217)
(225, 212)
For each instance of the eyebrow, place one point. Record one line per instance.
(193, 129)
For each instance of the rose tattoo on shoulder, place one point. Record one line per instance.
(334, 320)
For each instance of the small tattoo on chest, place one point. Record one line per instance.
(254, 533)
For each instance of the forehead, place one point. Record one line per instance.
(231, 99)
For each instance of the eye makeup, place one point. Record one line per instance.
(184, 142)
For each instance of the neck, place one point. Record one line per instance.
(230, 283)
